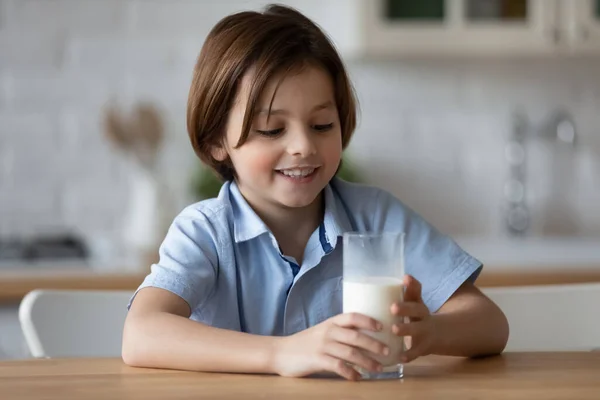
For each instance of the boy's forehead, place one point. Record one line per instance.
(309, 80)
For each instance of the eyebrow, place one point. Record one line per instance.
(323, 106)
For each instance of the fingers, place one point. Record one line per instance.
(357, 339)
(412, 353)
(413, 289)
(410, 309)
(357, 321)
(411, 329)
(353, 356)
(339, 367)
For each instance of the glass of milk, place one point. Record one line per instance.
(373, 271)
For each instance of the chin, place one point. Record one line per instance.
(298, 201)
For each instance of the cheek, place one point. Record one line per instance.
(262, 163)
(332, 145)
(251, 160)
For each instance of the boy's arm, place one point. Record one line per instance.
(469, 324)
(159, 334)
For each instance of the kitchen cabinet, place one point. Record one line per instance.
(458, 28)
(582, 25)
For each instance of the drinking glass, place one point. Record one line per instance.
(373, 265)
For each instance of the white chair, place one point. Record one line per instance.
(70, 323)
(550, 318)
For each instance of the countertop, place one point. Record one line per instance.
(15, 283)
(545, 253)
(508, 262)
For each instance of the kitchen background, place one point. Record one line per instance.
(489, 130)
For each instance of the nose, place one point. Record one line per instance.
(301, 143)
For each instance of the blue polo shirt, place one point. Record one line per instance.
(221, 258)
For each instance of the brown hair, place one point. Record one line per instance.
(279, 39)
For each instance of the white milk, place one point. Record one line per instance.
(373, 297)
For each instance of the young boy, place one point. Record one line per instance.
(251, 281)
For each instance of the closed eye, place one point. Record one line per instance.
(270, 133)
(323, 128)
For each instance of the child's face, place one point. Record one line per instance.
(288, 159)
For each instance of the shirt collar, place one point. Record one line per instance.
(336, 220)
(247, 224)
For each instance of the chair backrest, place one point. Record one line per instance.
(69, 323)
(550, 318)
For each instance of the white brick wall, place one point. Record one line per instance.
(116, 54)
(431, 132)
(183, 17)
(67, 16)
(29, 51)
(52, 91)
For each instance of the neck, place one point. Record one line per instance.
(291, 226)
(289, 222)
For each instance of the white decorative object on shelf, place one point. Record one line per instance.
(140, 137)
(143, 225)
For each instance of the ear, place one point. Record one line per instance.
(219, 153)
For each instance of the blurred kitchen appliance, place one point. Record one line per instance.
(558, 136)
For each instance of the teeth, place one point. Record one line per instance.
(297, 172)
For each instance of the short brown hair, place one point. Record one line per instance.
(278, 39)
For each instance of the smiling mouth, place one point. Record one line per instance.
(299, 174)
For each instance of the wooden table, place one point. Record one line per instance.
(510, 376)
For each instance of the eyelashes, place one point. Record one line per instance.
(323, 128)
(276, 132)
(270, 133)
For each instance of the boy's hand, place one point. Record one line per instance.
(421, 328)
(329, 346)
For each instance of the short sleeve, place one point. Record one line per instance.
(433, 258)
(188, 259)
